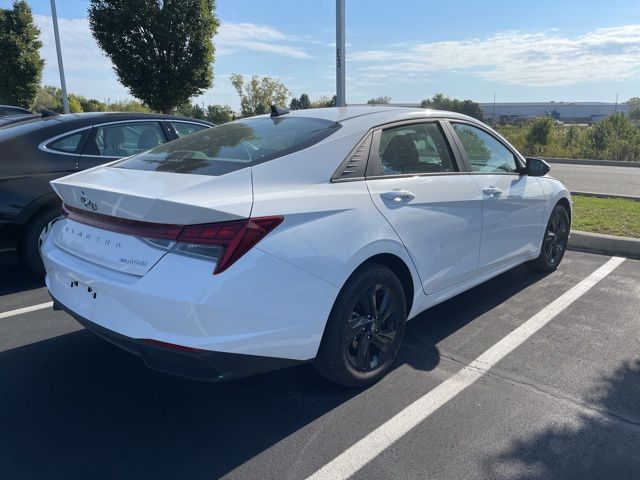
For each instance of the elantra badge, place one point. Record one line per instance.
(87, 202)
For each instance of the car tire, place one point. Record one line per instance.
(365, 328)
(554, 243)
(29, 248)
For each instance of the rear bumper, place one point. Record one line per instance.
(198, 365)
(261, 307)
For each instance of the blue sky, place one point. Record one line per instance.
(406, 49)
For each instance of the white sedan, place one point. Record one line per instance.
(307, 236)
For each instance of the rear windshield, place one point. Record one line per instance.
(20, 128)
(232, 146)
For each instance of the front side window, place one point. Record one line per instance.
(232, 146)
(414, 148)
(486, 154)
(125, 139)
(183, 128)
(68, 144)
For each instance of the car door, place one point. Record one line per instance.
(110, 141)
(416, 182)
(513, 203)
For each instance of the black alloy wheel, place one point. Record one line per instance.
(554, 243)
(556, 237)
(371, 334)
(365, 328)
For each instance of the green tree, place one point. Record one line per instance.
(540, 131)
(304, 102)
(162, 51)
(441, 102)
(301, 103)
(379, 101)
(324, 102)
(93, 105)
(49, 97)
(258, 94)
(20, 61)
(219, 114)
(75, 103)
(615, 138)
(128, 106)
(189, 109)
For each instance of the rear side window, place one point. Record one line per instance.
(68, 144)
(232, 146)
(414, 148)
(183, 129)
(124, 139)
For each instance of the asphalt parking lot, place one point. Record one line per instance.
(561, 403)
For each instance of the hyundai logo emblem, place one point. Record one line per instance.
(87, 202)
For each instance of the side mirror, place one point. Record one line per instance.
(536, 167)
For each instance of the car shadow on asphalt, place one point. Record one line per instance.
(588, 446)
(15, 278)
(432, 326)
(75, 406)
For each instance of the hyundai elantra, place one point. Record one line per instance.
(306, 236)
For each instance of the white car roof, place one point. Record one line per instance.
(358, 119)
(367, 116)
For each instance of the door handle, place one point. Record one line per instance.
(398, 196)
(492, 191)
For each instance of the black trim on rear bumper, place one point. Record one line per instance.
(200, 365)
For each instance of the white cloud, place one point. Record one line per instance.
(248, 36)
(87, 69)
(89, 72)
(519, 58)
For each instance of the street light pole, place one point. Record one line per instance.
(494, 109)
(56, 34)
(340, 55)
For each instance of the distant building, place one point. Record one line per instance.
(566, 112)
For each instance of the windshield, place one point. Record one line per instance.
(232, 146)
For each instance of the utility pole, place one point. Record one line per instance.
(340, 55)
(56, 33)
(616, 109)
(494, 108)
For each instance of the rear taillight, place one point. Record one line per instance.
(136, 228)
(226, 241)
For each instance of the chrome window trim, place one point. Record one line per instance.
(43, 146)
(191, 122)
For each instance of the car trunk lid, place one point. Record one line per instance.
(126, 220)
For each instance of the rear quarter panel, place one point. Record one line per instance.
(330, 228)
(25, 175)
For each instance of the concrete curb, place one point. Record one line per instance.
(601, 163)
(601, 243)
(606, 195)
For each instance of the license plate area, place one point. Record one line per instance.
(81, 295)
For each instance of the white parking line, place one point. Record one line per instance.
(32, 308)
(367, 448)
